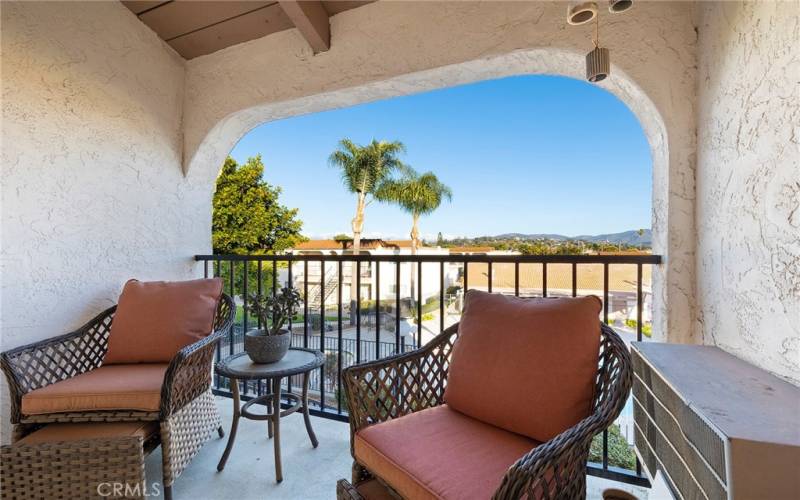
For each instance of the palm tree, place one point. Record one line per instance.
(363, 170)
(417, 194)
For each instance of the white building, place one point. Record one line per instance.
(374, 282)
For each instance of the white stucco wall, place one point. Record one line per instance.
(393, 48)
(748, 182)
(99, 117)
(92, 189)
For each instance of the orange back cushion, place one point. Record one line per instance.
(527, 365)
(154, 320)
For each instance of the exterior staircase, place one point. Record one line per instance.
(315, 296)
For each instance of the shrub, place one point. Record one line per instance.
(620, 452)
(647, 328)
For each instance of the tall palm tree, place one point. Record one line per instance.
(417, 194)
(363, 170)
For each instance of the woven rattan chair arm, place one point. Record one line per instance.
(46, 362)
(549, 470)
(397, 385)
(189, 373)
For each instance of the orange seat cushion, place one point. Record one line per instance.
(53, 433)
(112, 387)
(440, 453)
(527, 365)
(155, 320)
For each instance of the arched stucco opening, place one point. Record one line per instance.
(209, 154)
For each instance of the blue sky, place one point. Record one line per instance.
(527, 154)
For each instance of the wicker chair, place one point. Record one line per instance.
(187, 416)
(396, 386)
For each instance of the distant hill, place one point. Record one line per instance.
(626, 237)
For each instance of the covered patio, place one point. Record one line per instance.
(117, 117)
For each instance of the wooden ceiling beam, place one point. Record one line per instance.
(311, 19)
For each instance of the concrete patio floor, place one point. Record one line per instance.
(308, 473)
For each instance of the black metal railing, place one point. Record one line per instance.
(351, 328)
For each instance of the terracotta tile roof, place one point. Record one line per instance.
(401, 243)
(319, 245)
(366, 244)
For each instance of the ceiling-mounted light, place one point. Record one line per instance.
(617, 6)
(598, 64)
(598, 61)
(581, 12)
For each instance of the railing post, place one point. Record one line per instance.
(340, 392)
(397, 306)
(305, 304)
(322, 333)
(377, 308)
(605, 320)
(358, 311)
(441, 296)
(419, 304)
(574, 279)
(639, 302)
(605, 292)
(466, 276)
(232, 335)
(544, 279)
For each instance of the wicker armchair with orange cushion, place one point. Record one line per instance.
(502, 405)
(149, 358)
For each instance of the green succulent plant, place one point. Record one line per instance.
(274, 310)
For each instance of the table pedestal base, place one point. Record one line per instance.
(272, 416)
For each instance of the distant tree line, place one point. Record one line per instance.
(537, 246)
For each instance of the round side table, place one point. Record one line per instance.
(239, 367)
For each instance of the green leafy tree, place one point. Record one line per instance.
(248, 218)
(363, 170)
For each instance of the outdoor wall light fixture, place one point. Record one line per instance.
(598, 61)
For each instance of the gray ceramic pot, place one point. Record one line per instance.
(263, 348)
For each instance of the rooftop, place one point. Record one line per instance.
(366, 244)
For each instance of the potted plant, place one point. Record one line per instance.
(270, 343)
